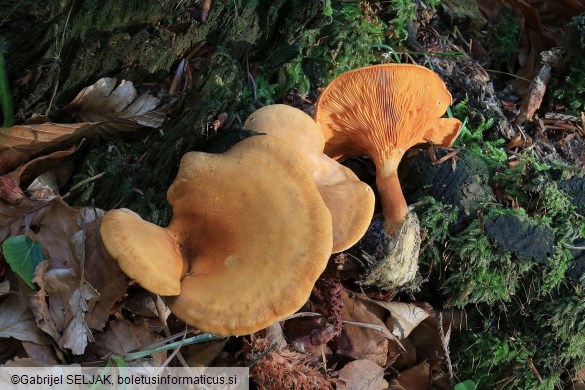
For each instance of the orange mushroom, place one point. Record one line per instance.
(382, 111)
(249, 237)
(350, 201)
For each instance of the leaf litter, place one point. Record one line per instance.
(81, 302)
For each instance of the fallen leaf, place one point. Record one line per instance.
(27, 362)
(22, 143)
(77, 334)
(11, 158)
(404, 317)
(17, 321)
(23, 254)
(203, 354)
(26, 173)
(402, 356)
(79, 282)
(426, 338)
(42, 353)
(122, 336)
(417, 377)
(44, 187)
(4, 287)
(361, 375)
(118, 108)
(275, 336)
(360, 342)
(14, 218)
(142, 305)
(10, 191)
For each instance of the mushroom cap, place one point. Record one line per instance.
(350, 201)
(145, 252)
(383, 110)
(255, 233)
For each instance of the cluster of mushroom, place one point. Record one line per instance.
(252, 228)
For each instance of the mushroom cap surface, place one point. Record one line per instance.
(145, 252)
(350, 201)
(254, 231)
(383, 110)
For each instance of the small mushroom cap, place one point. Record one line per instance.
(255, 232)
(145, 252)
(350, 201)
(383, 110)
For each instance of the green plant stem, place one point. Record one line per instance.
(5, 98)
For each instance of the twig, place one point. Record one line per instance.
(575, 248)
(445, 344)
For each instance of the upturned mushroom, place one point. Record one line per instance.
(248, 238)
(381, 111)
(350, 201)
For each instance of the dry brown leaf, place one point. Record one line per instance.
(22, 143)
(402, 356)
(142, 305)
(122, 336)
(10, 192)
(15, 218)
(44, 187)
(426, 338)
(9, 348)
(359, 342)
(42, 353)
(17, 321)
(77, 334)
(4, 286)
(80, 282)
(361, 375)
(11, 158)
(26, 173)
(27, 362)
(275, 336)
(118, 108)
(404, 317)
(417, 377)
(201, 355)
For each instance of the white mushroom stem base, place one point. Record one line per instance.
(395, 260)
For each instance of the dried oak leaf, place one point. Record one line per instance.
(360, 342)
(203, 354)
(404, 317)
(48, 354)
(26, 173)
(80, 282)
(117, 108)
(27, 362)
(417, 377)
(361, 375)
(21, 143)
(17, 321)
(14, 218)
(122, 336)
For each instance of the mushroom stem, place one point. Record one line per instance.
(394, 205)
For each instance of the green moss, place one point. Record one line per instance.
(524, 315)
(572, 89)
(403, 12)
(501, 38)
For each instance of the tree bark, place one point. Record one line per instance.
(53, 49)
